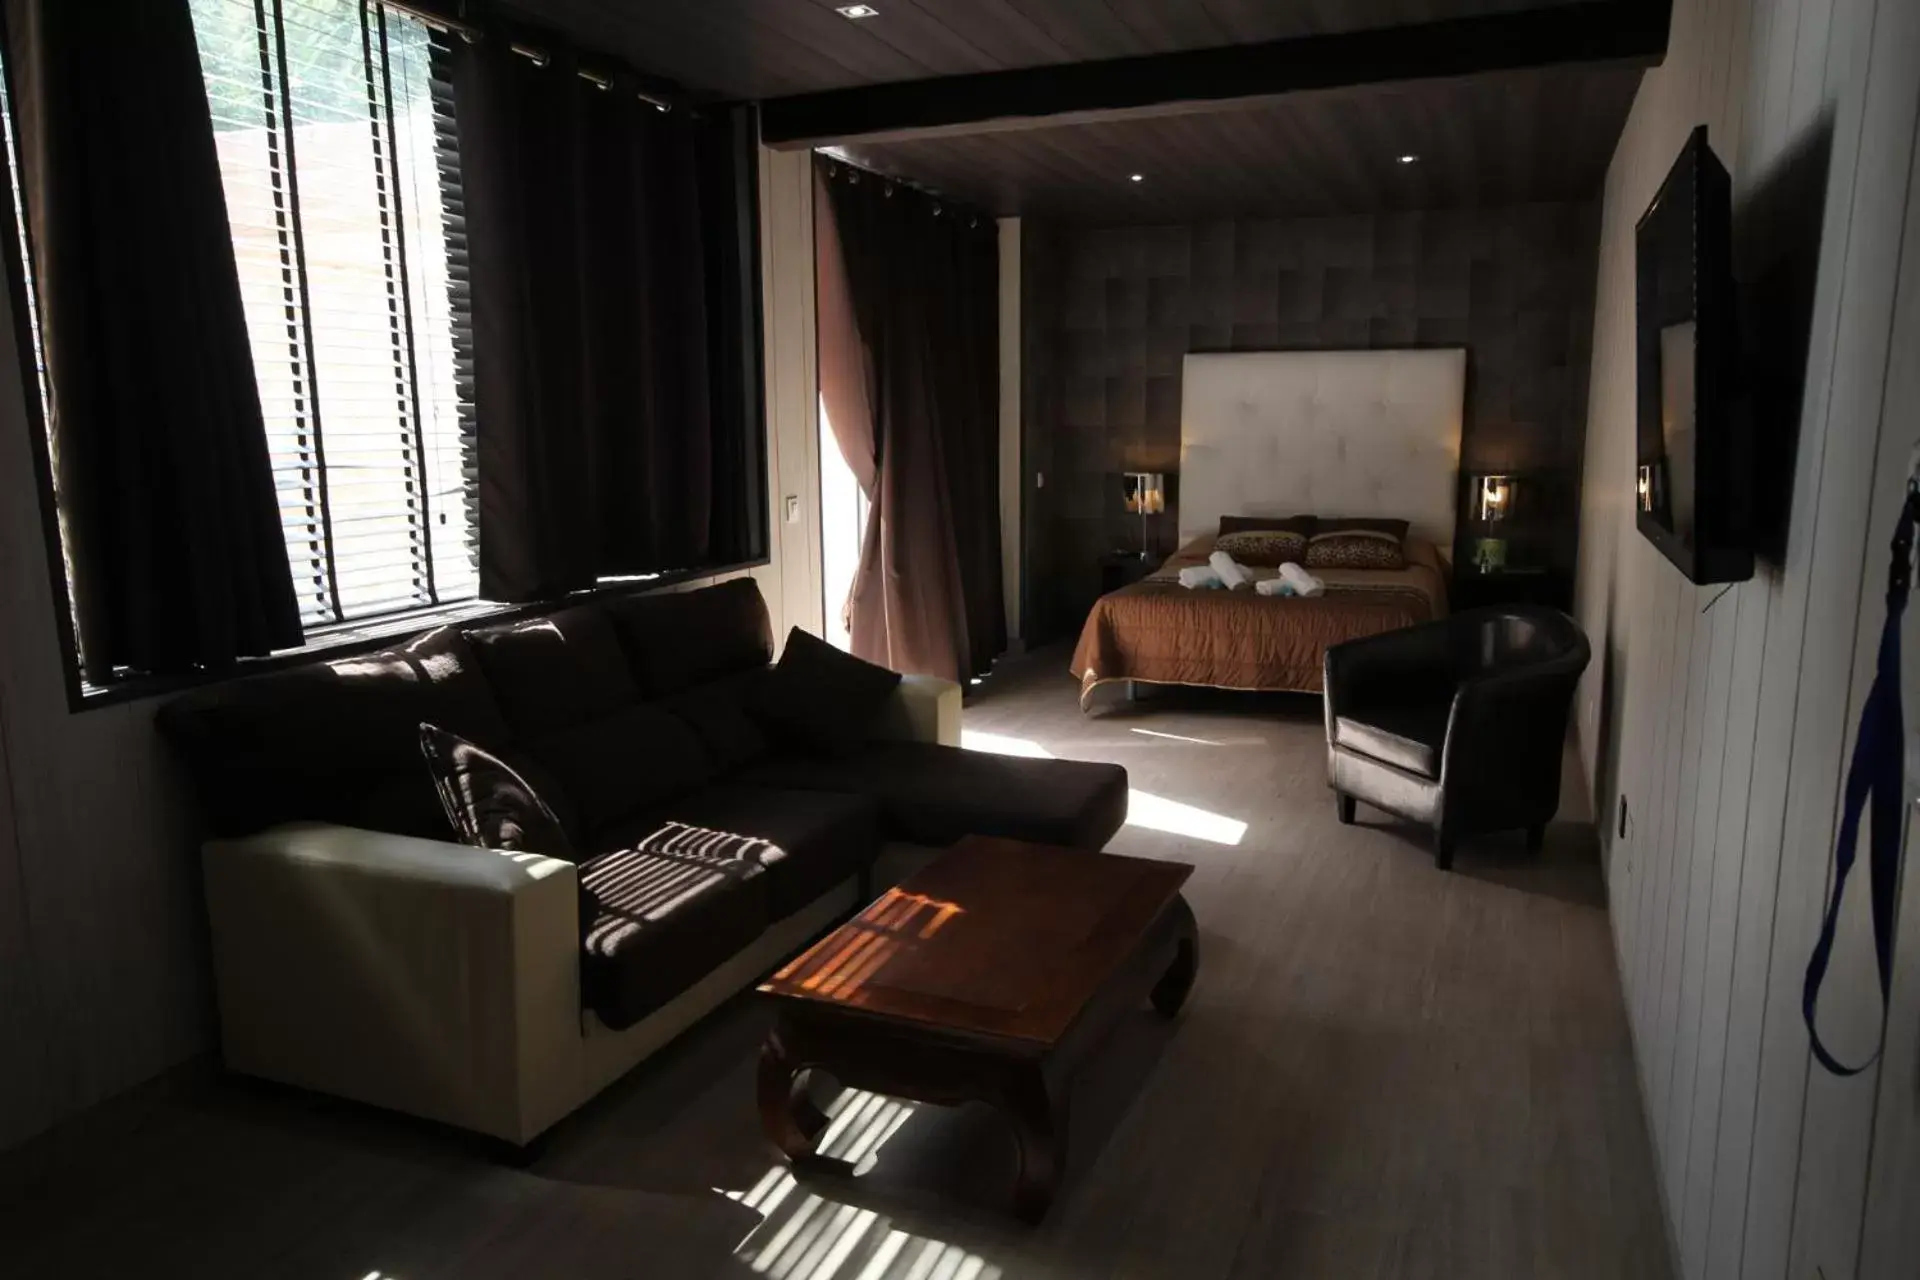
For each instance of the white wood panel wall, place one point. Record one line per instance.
(1012, 557)
(103, 979)
(791, 579)
(1724, 721)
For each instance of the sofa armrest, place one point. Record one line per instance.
(428, 977)
(922, 709)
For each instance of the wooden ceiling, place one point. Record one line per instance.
(771, 48)
(1511, 138)
(1529, 100)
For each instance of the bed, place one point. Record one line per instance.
(1331, 434)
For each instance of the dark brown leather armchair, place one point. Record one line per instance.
(1458, 724)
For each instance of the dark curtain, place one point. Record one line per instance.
(172, 526)
(907, 307)
(587, 217)
(729, 149)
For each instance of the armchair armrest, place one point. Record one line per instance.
(922, 709)
(427, 977)
(1505, 737)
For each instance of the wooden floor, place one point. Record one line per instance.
(1383, 1070)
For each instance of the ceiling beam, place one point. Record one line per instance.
(1592, 31)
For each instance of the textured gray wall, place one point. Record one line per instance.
(1514, 286)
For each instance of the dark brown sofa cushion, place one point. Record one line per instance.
(820, 698)
(678, 639)
(567, 691)
(555, 672)
(719, 712)
(619, 764)
(824, 836)
(933, 795)
(335, 741)
(671, 911)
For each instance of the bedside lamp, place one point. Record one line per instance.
(1492, 498)
(1492, 502)
(1146, 494)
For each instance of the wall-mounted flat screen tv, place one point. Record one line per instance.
(1693, 468)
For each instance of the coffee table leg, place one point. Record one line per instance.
(1040, 1131)
(1171, 991)
(786, 1113)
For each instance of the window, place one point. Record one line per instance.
(334, 124)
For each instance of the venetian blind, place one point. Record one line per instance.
(337, 152)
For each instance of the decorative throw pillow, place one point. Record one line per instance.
(1268, 548)
(1355, 549)
(820, 698)
(493, 807)
(487, 801)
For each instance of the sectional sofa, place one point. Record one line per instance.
(360, 951)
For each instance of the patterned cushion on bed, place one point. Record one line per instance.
(1356, 549)
(1268, 548)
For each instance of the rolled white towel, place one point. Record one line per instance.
(1302, 582)
(1274, 587)
(1231, 574)
(1198, 577)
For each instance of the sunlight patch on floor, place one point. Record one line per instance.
(1144, 809)
(1176, 737)
(1000, 744)
(1157, 813)
(809, 1237)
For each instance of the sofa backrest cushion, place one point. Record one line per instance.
(679, 639)
(613, 767)
(721, 713)
(334, 741)
(555, 672)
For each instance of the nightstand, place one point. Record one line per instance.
(1513, 585)
(1122, 568)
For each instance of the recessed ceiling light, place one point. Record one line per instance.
(1409, 158)
(857, 11)
(1138, 177)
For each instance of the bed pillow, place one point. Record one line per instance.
(1356, 549)
(1302, 525)
(1267, 548)
(1361, 524)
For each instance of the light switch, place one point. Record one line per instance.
(1039, 479)
(793, 508)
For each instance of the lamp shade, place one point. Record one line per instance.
(1492, 498)
(1146, 492)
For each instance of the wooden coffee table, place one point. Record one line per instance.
(990, 976)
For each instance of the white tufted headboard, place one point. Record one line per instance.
(1336, 433)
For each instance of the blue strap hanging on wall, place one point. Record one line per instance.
(1873, 779)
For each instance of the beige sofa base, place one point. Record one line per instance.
(434, 979)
